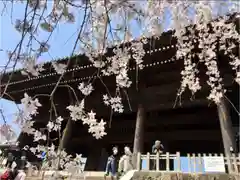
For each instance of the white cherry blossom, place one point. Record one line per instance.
(114, 102)
(86, 89)
(76, 111)
(59, 68)
(55, 126)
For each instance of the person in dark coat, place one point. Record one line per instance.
(10, 159)
(111, 166)
(157, 148)
(23, 160)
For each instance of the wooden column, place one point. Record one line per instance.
(94, 155)
(139, 133)
(67, 133)
(103, 160)
(226, 127)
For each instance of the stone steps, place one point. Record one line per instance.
(74, 178)
(88, 175)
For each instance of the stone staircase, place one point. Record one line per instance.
(88, 175)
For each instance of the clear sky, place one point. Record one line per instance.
(61, 45)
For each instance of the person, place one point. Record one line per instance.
(111, 166)
(21, 175)
(125, 162)
(157, 147)
(43, 158)
(10, 159)
(23, 160)
(10, 173)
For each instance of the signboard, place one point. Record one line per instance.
(214, 164)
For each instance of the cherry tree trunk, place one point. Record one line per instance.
(226, 128)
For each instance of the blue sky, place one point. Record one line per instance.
(61, 42)
(61, 45)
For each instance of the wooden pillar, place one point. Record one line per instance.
(139, 130)
(67, 133)
(94, 155)
(226, 127)
(139, 133)
(103, 160)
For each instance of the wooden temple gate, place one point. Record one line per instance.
(151, 108)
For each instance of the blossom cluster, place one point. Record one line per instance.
(25, 117)
(114, 102)
(7, 134)
(77, 112)
(55, 126)
(85, 89)
(59, 67)
(57, 159)
(211, 38)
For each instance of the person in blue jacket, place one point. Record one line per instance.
(43, 157)
(111, 166)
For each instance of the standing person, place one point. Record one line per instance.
(23, 160)
(43, 158)
(125, 162)
(111, 166)
(157, 148)
(21, 175)
(10, 159)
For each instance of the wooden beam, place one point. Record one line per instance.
(197, 135)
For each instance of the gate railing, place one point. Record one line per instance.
(195, 163)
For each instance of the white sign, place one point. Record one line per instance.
(214, 164)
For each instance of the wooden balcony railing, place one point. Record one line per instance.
(192, 163)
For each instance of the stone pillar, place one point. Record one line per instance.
(226, 127)
(139, 132)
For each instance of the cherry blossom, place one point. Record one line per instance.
(90, 119)
(114, 102)
(99, 34)
(98, 130)
(39, 136)
(55, 126)
(30, 106)
(7, 134)
(208, 44)
(85, 89)
(30, 66)
(76, 111)
(59, 68)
